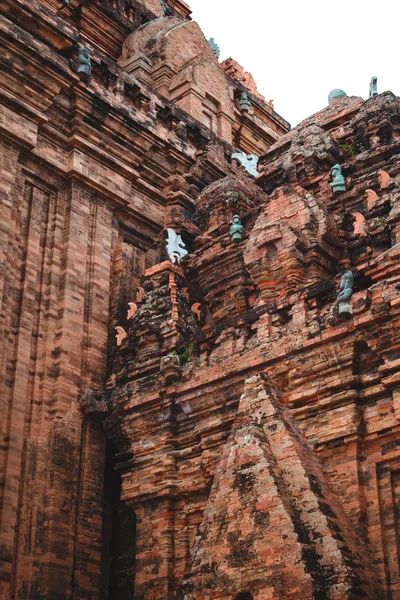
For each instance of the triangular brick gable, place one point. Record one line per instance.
(271, 526)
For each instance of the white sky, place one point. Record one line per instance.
(298, 51)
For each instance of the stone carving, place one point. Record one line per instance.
(360, 226)
(152, 108)
(132, 310)
(175, 247)
(214, 47)
(196, 309)
(236, 230)
(140, 294)
(371, 197)
(338, 183)
(185, 292)
(181, 131)
(166, 11)
(336, 95)
(121, 334)
(373, 87)
(170, 368)
(248, 161)
(93, 404)
(346, 291)
(85, 64)
(383, 178)
(244, 102)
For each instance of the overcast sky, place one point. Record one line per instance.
(299, 51)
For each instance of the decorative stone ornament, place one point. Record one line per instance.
(346, 292)
(244, 102)
(360, 226)
(336, 95)
(132, 310)
(371, 197)
(121, 334)
(84, 65)
(337, 184)
(196, 309)
(175, 247)
(373, 87)
(214, 47)
(170, 368)
(248, 161)
(93, 404)
(236, 230)
(383, 178)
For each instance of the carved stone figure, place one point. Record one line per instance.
(166, 10)
(360, 226)
(85, 64)
(121, 334)
(371, 197)
(132, 310)
(383, 178)
(248, 161)
(196, 309)
(214, 47)
(236, 230)
(346, 292)
(338, 183)
(244, 102)
(94, 404)
(181, 131)
(170, 368)
(175, 247)
(373, 87)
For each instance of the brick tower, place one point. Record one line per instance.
(199, 389)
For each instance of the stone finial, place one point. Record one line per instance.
(93, 404)
(248, 161)
(360, 226)
(170, 368)
(132, 310)
(175, 247)
(383, 178)
(236, 230)
(336, 95)
(372, 197)
(121, 334)
(196, 309)
(85, 64)
(244, 102)
(214, 47)
(338, 183)
(373, 87)
(345, 293)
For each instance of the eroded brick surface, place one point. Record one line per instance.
(270, 468)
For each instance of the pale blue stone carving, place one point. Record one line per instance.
(214, 47)
(335, 95)
(248, 161)
(84, 63)
(373, 87)
(175, 247)
(165, 9)
(236, 230)
(338, 183)
(346, 292)
(244, 102)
